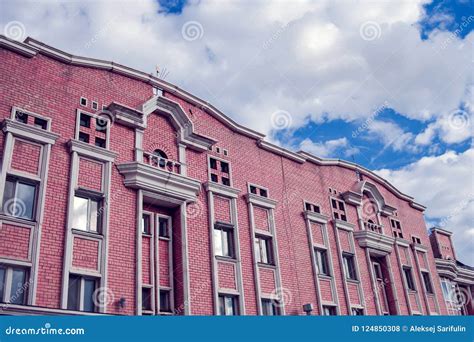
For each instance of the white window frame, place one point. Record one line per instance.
(81, 289)
(8, 283)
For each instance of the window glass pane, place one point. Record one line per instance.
(2, 283)
(146, 298)
(225, 242)
(89, 288)
(263, 247)
(79, 216)
(25, 200)
(163, 222)
(146, 224)
(73, 293)
(19, 287)
(165, 303)
(8, 202)
(258, 254)
(229, 306)
(221, 305)
(218, 242)
(94, 218)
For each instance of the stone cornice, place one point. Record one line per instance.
(29, 132)
(379, 242)
(91, 151)
(448, 268)
(260, 201)
(344, 225)
(315, 217)
(220, 189)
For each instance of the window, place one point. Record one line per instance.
(84, 137)
(165, 301)
(225, 181)
(312, 207)
(357, 312)
(349, 266)
(146, 299)
(427, 282)
(256, 190)
(446, 287)
(19, 198)
(41, 123)
(263, 193)
(224, 167)
(161, 157)
(17, 287)
(81, 293)
(213, 163)
(396, 228)
(146, 224)
(224, 240)
(329, 310)
(99, 142)
(83, 101)
(338, 209)
(270, 307)
(85, 120)
(226, 153)
(409, 278)
(416, 240)
(253, 189)
(322, 261)
(163, 227)
(214, 178)
(264, 250)
(95, 105)
(86, 214)
(228, 305)
(377, 270)
(21, 117)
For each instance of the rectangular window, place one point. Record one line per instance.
(21, 117)
(84, 137)
(253, 189)
(338, 209)
(357, 312)
(427, 282)
(446, 287)
(349, 266)
(224, 167)
(41, 123)
(146, 299)
(224, 240)
(329, 310)
(214, 178)
(322, 261)
(165, 301)
(99, 142)
(86, 214)
(81, 293)
(163, 225)
(377, 270)
(85, 120)
(19, 198)
(409, 278)
(213, 163)
(146, 224)
(18, 284)
(228, 305)
(225, 181)
(263, 193)
(264, 250)
(270, 307)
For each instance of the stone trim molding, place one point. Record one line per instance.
(261, 201)
(381, 243)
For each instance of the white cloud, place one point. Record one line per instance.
(329, 148)
(445, 184)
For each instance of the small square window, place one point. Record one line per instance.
(95, 105)
(226, 153)
(84, 137)
(218, 150)
(99, 142)
(21, 117)
(41, 123)
(253, 189)
(263, 193)
(83, 101)
(165, 301)
(214, 178)
(226, 181)
(213, 163)
(85, 120)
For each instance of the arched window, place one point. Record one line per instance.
(162, 156)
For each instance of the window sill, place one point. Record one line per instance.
(164, 238)
(23, 221)
(147, 235)
(87, 233)
(226, 258)
(264, 265)
(353, 281)
(325, 276)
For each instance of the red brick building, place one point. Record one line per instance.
(123, 194)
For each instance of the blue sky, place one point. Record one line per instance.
(387, 84)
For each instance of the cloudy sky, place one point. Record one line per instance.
(387, 84)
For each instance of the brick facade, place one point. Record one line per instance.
(201, 182)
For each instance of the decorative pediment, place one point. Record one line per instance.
(180, 121)
(355, 195)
